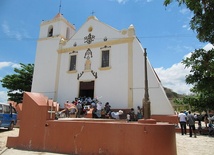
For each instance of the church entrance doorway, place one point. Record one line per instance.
(86, 89)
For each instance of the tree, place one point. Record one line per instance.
(201, 77)
(201, 62)
(202, 21)
(19, 82)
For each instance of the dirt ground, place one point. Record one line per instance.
(185, 145)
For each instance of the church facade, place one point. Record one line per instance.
(95, 61)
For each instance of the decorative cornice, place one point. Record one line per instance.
(49, 38)
(104, 68)
(98, 44)
(56, 20)
(105, 47)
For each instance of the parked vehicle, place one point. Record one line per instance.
(8, 116)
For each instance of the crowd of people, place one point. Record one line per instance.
(80, 106)
(186, 118)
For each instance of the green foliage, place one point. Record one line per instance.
(19, 82)
(196, 102)
(201, 62)
(202, 21)
(201, 77)
(178, 101)
(199, 102)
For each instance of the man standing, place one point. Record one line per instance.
(191, 123)
(79, 107)
(183, 121)
(99, 108)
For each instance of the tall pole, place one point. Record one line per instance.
(146, 102)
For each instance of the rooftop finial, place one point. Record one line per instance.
(60, 6)
(92, 13)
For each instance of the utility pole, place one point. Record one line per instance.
(146, 101)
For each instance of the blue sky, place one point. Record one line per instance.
(164, 31)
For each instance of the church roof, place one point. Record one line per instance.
(58, 15)
(92, 17)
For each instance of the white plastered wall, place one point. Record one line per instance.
(111, 85)
(159, 101)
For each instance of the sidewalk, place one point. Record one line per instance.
(12, 151)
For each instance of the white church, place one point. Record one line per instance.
(95, 61)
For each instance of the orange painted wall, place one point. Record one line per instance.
(39, 132)
(172, 119)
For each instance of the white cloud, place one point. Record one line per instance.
(184, 11)
(4, 64)
(174, 77)
(3, 97)
(124, 1)
(121, 1)
(208, 47)
(9, 64)
(17, 34)
(184, 26)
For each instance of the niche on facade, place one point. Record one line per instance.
(88, 64)
(88, 56)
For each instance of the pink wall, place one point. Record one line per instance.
(38, 132)
(172, 119)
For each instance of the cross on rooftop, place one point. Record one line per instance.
(92, 13)
(60, 6)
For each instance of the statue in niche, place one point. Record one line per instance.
(88, 64)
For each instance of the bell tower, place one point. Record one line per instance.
(46, 66)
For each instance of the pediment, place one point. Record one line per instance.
(93, 31)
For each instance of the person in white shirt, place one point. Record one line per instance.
(116, 115)
(183, 122)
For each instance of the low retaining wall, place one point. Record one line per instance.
(91, 137)
(172, 119)
(88, 137)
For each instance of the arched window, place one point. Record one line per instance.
(67, 33)
(50, 31)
